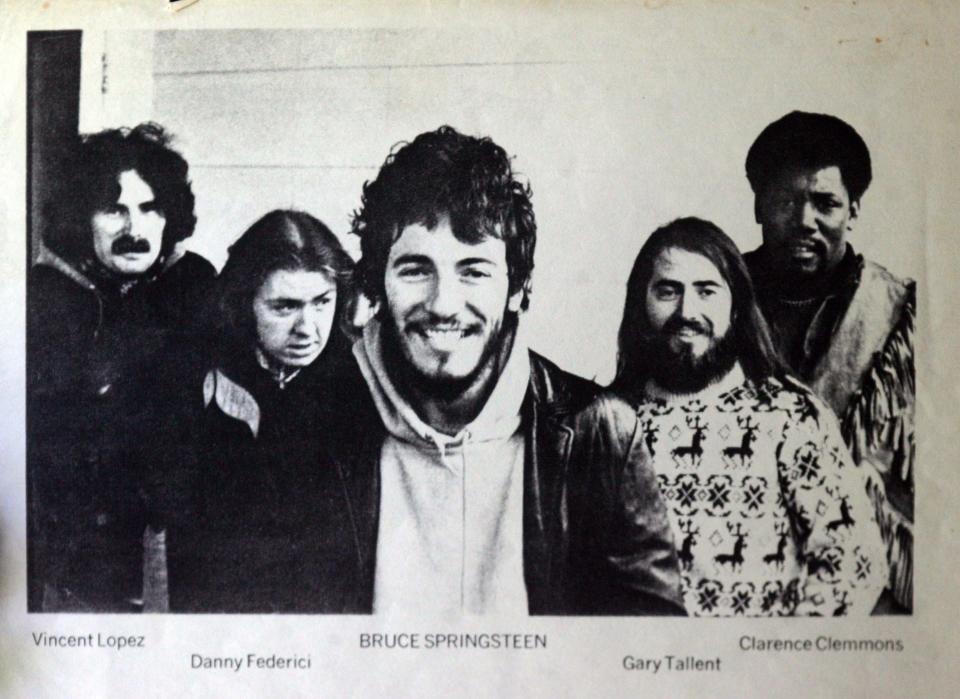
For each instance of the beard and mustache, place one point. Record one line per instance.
(676, 368)
(439, 386)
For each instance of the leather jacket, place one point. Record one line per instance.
(596, 535)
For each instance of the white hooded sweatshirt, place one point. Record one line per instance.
(450, 538)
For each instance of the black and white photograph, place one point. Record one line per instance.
(399, 335)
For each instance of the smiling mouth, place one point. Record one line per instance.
(443, 333)
(803, 248)
(443, 338)
(687, 332)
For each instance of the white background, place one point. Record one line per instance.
(615, 134)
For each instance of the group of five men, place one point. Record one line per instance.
(708, 479)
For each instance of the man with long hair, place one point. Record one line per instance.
(258, 518)
(109, 308)
(770, 515)
(496, 486)
(842, 323)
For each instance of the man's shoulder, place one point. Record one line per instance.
(883, 308)
(607, 413)
(752, 258)
(557, 388)
(189, 268)
(760, 272)
(55, 273)
(796, 401)
(879, 276)
(51, 287)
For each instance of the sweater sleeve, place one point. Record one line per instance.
(839, 542)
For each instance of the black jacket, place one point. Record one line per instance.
(596, 535)
(256, 509)
(99, 353)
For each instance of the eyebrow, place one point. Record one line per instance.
(411, 260)
(673, 283)
(293, 299)
(476, 261)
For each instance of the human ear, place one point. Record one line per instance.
(515, 301)
(854, 213)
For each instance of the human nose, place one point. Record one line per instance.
(134, 224)
(689, 306)
(306, 323)
(446, 295)
(807, 216)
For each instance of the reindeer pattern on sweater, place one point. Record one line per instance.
(769, 513)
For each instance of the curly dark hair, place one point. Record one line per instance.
(806, 140)
(755, 349)
(445, 173)
(89, 177)
(282, 239)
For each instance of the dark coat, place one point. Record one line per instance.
(260, 521)
(98, 356)
(596, 538)
(287, 520)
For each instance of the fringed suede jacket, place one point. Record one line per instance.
(857, 355)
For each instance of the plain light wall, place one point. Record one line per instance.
(616, 135)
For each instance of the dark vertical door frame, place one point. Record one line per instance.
(53, 117)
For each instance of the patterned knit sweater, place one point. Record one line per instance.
(770, 515)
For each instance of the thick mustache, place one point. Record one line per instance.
(126, 244)
(675, 325)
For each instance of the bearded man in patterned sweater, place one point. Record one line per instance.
(769, 512)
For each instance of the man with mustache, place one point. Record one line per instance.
(488, 481)
(109, 305)
(770, 515)
(842, 323)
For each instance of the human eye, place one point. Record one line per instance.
(784, 202)
(827, 203)
(112, 210)
(779, 198)
(706, 292)
(665, 293)
(282, 306)
(322, 301)
(413, 272)
(476, 274)
(151, 207)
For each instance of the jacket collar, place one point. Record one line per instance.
(771, 280)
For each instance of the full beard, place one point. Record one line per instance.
(439, 387)
(680, 371)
